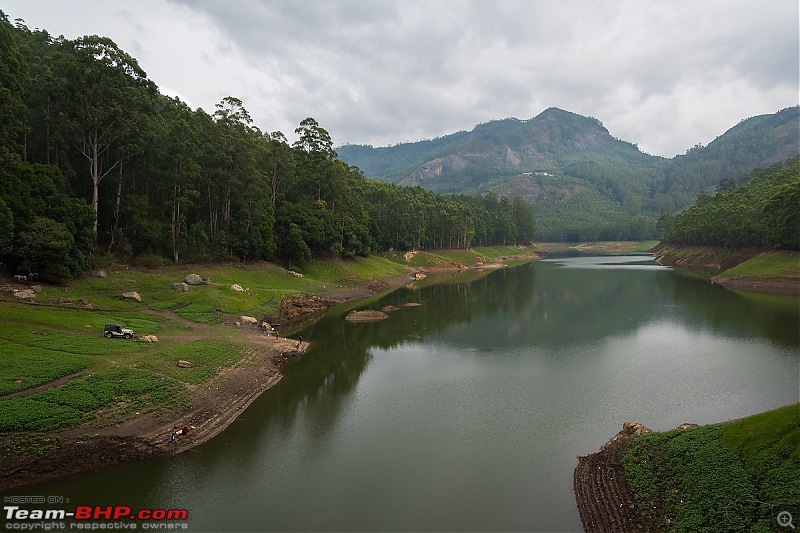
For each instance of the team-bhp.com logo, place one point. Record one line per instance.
(89, 517)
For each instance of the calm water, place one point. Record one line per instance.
(468, 412)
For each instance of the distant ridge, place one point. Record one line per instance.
(580, 177)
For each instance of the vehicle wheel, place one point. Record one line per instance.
(108, 334)
(127, 335)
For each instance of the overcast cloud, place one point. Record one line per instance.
(663, 74)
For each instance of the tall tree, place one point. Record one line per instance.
(12, 80)
(104, 93)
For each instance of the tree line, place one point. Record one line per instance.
(95, 160)
(759, 209)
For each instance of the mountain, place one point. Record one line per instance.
(584, 182)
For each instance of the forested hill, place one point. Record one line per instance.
(555, 140)
(760, 209)
(584, 183)
(95, 161)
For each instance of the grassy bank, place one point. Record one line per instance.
(739, 268)
(770, 265)
(735, 476)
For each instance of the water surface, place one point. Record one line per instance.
(468, 412)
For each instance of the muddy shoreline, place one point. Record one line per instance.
(715, 260)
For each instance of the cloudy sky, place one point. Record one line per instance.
(663, 74)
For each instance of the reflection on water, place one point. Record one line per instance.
(467, 412)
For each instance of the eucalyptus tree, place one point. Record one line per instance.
(104, 95)
(12, 81)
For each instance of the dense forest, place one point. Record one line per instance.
(94, 160)
(758, 209)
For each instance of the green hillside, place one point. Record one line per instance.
(584, 183)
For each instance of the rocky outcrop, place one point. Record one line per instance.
(300, 305)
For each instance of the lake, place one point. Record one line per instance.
(467, 412)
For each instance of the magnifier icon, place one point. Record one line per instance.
(785, 519)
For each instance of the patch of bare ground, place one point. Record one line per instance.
(779, 286)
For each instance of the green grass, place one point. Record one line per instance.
(729, 477)
(69, 405)
(768, 266)
(208, 357)
(77, 319)
(22, 367)
(419, 260)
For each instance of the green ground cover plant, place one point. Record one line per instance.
(68, 405)
(23, 367)
(727, 477)
(208, 356)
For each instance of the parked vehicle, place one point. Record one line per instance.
(116, 330)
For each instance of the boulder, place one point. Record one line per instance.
(132, 295)
(25, 294)
(100, 273)
(184, 364)
(180, 287)
(193, 279)
(237, 287)
(149, 338)
(247, 320)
